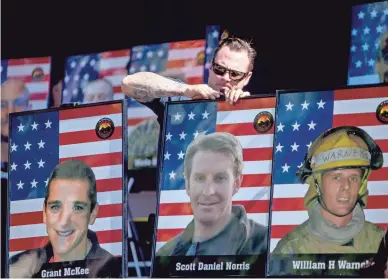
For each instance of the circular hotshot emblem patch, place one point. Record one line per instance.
(201, 58)
(382, 112)
(105, 128)
(263, 122)
(37, 74)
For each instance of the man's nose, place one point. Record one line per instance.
(226, 76)
(345, 184)
(209, 189)
(65, 216)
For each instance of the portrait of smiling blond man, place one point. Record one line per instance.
(213, 167)
(69, 208)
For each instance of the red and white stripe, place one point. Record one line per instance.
(352, 107)
(113, 68)
(78, 140)
(38, 89)
(182, 56)
(175, 211)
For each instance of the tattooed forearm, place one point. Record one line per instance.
(147, 86)
(142, 93)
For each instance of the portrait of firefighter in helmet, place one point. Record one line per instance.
(336, 168)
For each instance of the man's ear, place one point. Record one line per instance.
(237, 184)
(247, 79)
(44, 213)
(93, 215)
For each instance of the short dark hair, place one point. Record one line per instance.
(77, 170)
(237, 44)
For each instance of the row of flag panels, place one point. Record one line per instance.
(188, 60)
(275, 133)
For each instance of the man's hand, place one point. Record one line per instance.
(201, 91)
(26, 266)
(232, 96)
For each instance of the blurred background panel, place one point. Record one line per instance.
(368, 60)
(25, 85)
(31, 76)
(95, 77)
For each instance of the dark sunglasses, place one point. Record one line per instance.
(221, 71)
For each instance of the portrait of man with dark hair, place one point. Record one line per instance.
(70, 206)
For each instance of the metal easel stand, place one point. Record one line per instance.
(133, 239)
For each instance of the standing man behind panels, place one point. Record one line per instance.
(230, 71)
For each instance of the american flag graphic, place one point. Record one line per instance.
(185, 60)
(188, 61)
(184, 123)
(301, 118)
(369, 22)
(35, 72)
(82, 69)
(110, 65)
(38, 142)
(212, 41)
